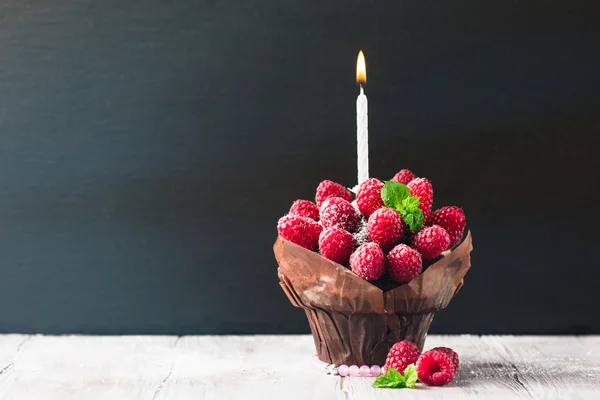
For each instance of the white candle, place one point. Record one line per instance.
(362, 121)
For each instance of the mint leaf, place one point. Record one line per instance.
(411, 214)
(382, 381)
(394, 374)
(393, 193)
(391, 379)
(397, 385)
(411, 203)
(413, 219)
(397, 196)
(410, 376)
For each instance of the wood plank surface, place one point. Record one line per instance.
(265, 367)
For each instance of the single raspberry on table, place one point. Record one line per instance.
(368, 261)
(431, 241)
(421, 188)
(328, 188)
(435, 368)
(336, 244)
(404, 176)
(368, 196)
(404, 263)
(385, 227)
(450, 353)
(452, 219)
(300, 230)
(401, 355)
(305, 208)
(336, 211)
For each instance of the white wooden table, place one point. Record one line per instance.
(280, 367)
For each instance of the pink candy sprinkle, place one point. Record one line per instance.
(343, 370)
(355, 371)
(375, 370)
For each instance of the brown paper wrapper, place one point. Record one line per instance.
(353, 322)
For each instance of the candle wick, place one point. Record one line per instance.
(362, 90)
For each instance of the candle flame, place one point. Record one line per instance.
(361, 69)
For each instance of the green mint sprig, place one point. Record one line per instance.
(397, 196)
(393, 379)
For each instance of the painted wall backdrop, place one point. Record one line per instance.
(147, 149)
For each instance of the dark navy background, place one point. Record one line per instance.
(147, 149)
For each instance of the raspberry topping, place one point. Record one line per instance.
(401, 355)
(404, 263)
(328, 188)
(336, 211)
(404, 176)
(368, 261)
(434, 368)
(305, 208)
(385, 227)
(368, 196)
(431, 241)
(300, 230)
(452, 219)
(422, 189)
(336, 244)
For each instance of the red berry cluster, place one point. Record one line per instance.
(369, 237)
(435, 367)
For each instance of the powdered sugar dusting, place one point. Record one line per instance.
(361, 235)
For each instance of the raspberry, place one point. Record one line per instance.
(450, 353)
(452, 219)
(336, 211)
(401, 355)
(422, 189)
(404, 176)
(368, 261)
(300, 230)
(431, 241)
(328, 188)
(336, 244)
(385, 227)
(305, 208)
(434, 368)
(404, 263)
(368, 197)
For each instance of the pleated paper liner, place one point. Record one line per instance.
(354, 322)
